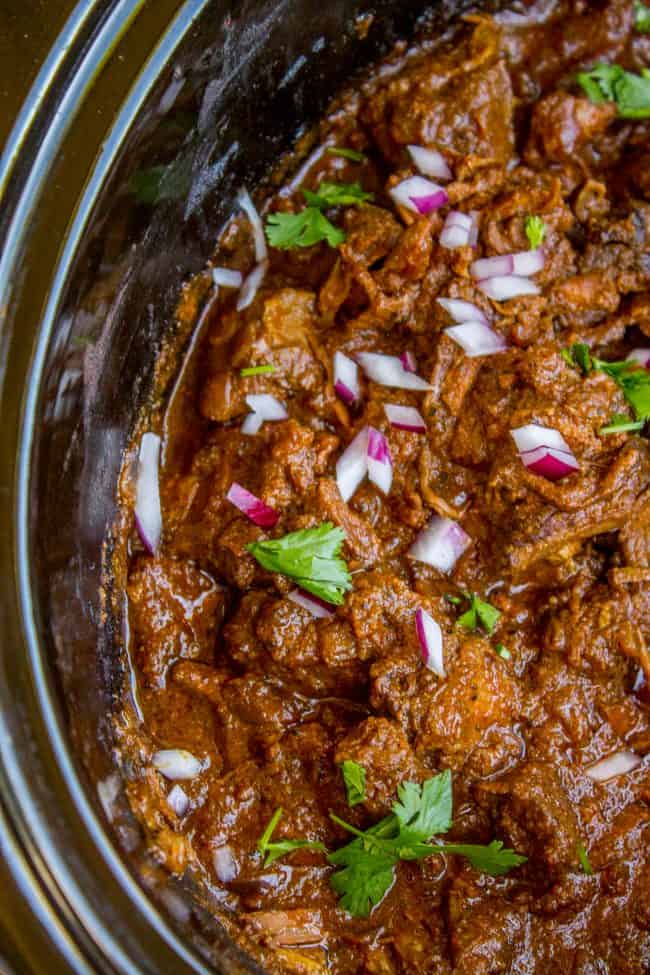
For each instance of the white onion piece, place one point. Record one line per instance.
(225, 865)
(550, 463)
(405, 418)
(534, 435)
(526, 263)
(457, 219)
(380, 464)
(492, 267)
(504, 287)
(148, 513)
(346, 378)
(259, 512)
(314, 606)
(642, 356)
(267, 406)
(476, 339)
(176, 763)
(419, 195)
(247, 205)
(430, 639)
(430, 162)
(454, 237)
(388, 370)
(473, 234)
(352, 465)
(440, 544)
(617, 764)
(250, 285)
(252, 424)
(178, 800)
(462, 311)
(225, 278)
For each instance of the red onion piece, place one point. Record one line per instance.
(380, 464)
(408, 361)
(250, 285)
(430, 639)
(440, 544)
(268, 406)
(430, 162)
(549, 463)
(247, 205)
(225, 865)
(255, 509)
(534, 435)
(388, 370)
(473, 234)
(352, 465)
(224, 277)
(642, 356)
(477, 339)
(462, 311)
(620, 763)
(178, 800)
(419, 195)
(148, 512)
(526, 263)
(504, 287)
(405, 418)
(315, 606)
(453, 237)
(176, 764)
(492, 267)
(346, 378)
(252, 424)
(457, 219)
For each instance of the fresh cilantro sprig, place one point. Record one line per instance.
(611, 83)
(621, 423)
(535, 231)
(480, 612)
(310, 226)
(641, 17)
(584, 860)
(354, 777)
(502, 651)
(632, 378)
(274, 849)
(263, 370)
(310, 557)
(352, 154)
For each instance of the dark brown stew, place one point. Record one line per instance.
(483, 599)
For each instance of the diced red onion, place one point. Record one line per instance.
(549, 463)
(268, 406)
(346, 378)
(504, 287)
(405, 418)
(419, 195)
(148, 512)
(388, 370)
(250, 285)
(252, 424)
(247, 205)
(380, 464)
(176, 763)
(318, 609)
(526, 263)
(462, 311)
(534, 435)
(430, 162)
(430, 638)
(642, 356)
(226, 278)
(457, 219)
(178, 800)
(477, 338)
(453, 237)
(254, 508)
(352, 465)
(617, 764)
(440, 544)
(225, 865)
(408, 361)
(523, 264)
(473, 234)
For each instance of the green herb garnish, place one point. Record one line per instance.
(354, 776)
(584, 860)
(337, 195)
(368, 862)
(535, 231)
(310, 557)
(632, 378)
(611, 83)
(502, 652)
(310, 226)
(345, 153)
(273, 850)
(480, 613)
(641, 17)
(621, 423)
(256, 370)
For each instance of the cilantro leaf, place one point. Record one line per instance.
(480, 613)
(354, 776)
(364, 881)
(641, 17)
(304, 229)
(337, 195)
(578, 356)
(620, 423)
(273, 850)
(425, 809)
(584, 860)
(611, 83)
(257, 370)
(491, 859)
(310, 557)
(535, 231)
(502, 652)
(345, 153)
(598, 84)
(632, 378)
